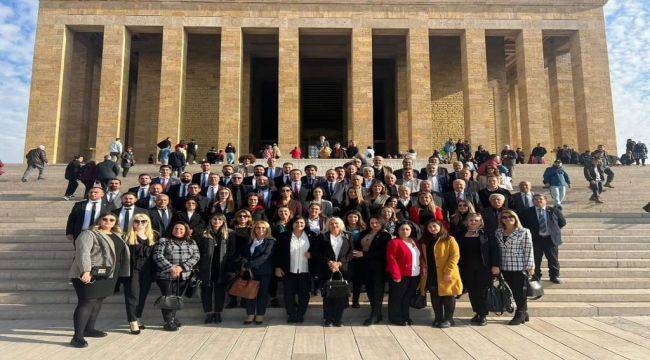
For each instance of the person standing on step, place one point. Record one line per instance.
(545, 224)
(72, 175)
(128, 160)
(102, 246)
(257, 257)
(516, 261)
(140, 238)
(403, 268)
(36, 160)
(107, 170)
(115, 149)
(558, 180)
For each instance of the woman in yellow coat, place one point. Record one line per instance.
(439, 258)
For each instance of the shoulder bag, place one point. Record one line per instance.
(242, 288)
(171, 302)
(336, 288)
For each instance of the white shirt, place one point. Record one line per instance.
(123, 215)
(370, 153)
(597, 173)
(435, 186)
(299, 246)
(212, 192)
(415, 258)
(115, 147)
(336, 242)
(255, 244)
(367, 182)
(529, 198)
(205, 176)
(89, 208)
(182, 191)
(314, 225)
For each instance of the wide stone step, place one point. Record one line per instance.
(603, 263)
(604, 254)
(36, 246)
(605, 246)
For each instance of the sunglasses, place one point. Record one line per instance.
(243, 216)
(108, 219)
(140, 221)
(507, 218)
(286, 190)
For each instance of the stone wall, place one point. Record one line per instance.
(146, 105)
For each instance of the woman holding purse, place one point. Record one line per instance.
(140, 239)
(218, 249)
(175, 257)
(333, 253)
(101, 256)
(258, 262)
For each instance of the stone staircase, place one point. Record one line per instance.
(605, 258)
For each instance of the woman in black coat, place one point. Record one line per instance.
(293, 263)
(354, 201)
(191, 215)
(370, 253)
(218, 265)
(333, 253)
(257, 259)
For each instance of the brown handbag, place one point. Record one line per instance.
(246, 289)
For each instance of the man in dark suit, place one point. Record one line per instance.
(258, 170)
(300, 191)
(470, 184)
(266, 196)
(125, 213)
(522, 200)
(407, 163)
(106, 170)
(460, 192)
(149, 201)
(272, 170)
(142, 190)
(425, 187)
(334, 189)
(492, 212)
(283, 178)
(435, 161)
(161, 215)
(437, 177)
(310, 180)
(203, 178)
(380, 169)
(165, 178)
(456, 174)
(212, 190)
(239, 191)
(194, 191)
(179, 191)
(545, 224)
(226, 175)
(84, 213)
(493, 188)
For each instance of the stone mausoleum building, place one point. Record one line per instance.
(395, 74)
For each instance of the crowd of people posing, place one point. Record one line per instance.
(430, 230)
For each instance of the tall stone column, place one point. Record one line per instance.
(289, 89)
(48, 92)
(114, 85)
(476, 93)
(401, 77)
(592, 89)
(419, 90)
(172, 82)
(498, 87)
(563, 112)
(360, 124)
(230, 87)
(533, 94)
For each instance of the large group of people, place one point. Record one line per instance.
(430, 230)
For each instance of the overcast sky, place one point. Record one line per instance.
(628, 35)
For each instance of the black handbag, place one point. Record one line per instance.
(193, 283)
(170, 302)
(336, 288)
(534, 289)
(419, 301)
(499, 296)
(101, 272)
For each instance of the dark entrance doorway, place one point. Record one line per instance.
(264, 103)
(323, 98)
(383, 96)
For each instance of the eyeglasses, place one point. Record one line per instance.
(462, 205)
(108, 219)
(140, 221)
(507, 217)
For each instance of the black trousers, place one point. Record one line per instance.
(476, 281)
(136, 289)
(543, 246)
(374, 280)
(517, 282)
(86, 312)
(72, 187)
(125, 171)
(170, 287)
(212, 291)
(258, 305)
(596, 188)
(296, 293)
(610, 175)
(400, 295)
(333, 309)
(443, 306)
(87, 186)
(357, 279)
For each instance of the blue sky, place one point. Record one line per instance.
(628, 35)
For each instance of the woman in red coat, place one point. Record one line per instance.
(403, 267)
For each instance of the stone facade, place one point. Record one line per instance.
(494, 74)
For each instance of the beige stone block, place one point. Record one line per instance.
(533, 94)
(230, 87)
(419, 89)
(111, 120)
(475, 89)
(288, 89)
(172, 82)
(360, 123)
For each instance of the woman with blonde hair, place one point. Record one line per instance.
(140, 239)
(354, 201)
(96, 249)
(388, 218)
(258, 262)
(376, 197)
(516, 261)
(425, 209)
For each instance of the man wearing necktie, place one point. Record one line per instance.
(545, 223)
(161, 214)
(84, 213)
(126, 212)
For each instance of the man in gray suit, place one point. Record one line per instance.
(113, 194)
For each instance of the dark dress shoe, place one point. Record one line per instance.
(208, 318)
(291, 319)
(216, 318)
(556, 280)
(481, 321)
(170, 326)
(78, 343)
(474, 320)
(327, 323)
(248, 322)
(398, 323)
(337, 324)
(409, 322)
(300, 319)
(135, 332)
(92, 333)
(444, 325)
(177, 323)
(259, 322)
(368, 322)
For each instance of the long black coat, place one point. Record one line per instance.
(373, 260)
(323, 253)
(229, 265)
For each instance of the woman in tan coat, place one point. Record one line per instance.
(440, 255)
